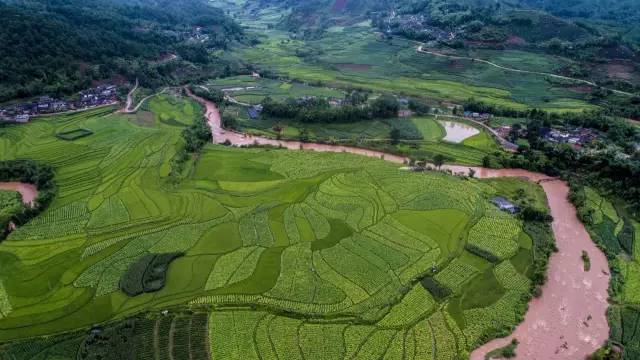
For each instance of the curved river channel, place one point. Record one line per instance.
(569, 320)
(27, 191)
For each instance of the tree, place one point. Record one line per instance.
(419, 107)
(385, 107)
(438, 160)
(394, 134)
(304, 135)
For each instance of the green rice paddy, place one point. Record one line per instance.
(358, 57)
(290, 253)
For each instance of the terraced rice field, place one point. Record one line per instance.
(396, 66)
(291, 254)
(619, 234)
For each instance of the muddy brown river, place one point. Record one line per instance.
(27, 191)
(569, 320)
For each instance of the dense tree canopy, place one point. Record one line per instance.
(60, 46)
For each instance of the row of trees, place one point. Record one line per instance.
(195, 136)
(316, 110)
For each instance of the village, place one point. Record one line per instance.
(22, 112)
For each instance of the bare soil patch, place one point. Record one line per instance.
(516, 40)
(619, 70)
(581, 89)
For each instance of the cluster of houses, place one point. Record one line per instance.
(417, 24)
(476, 116)
(254, 111)
(504, 131)
(22, 112)
(505, 205)
(576, 137)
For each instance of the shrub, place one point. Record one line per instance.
(148, 274)
(438, 291)
(74, 134)
(476, 250)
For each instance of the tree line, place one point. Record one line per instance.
(317, 110)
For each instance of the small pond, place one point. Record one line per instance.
(457, 132)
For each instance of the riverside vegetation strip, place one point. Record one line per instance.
(323, 246)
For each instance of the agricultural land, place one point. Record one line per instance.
(297, 254)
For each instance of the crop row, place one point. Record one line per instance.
(299, 279)
(510, 278)
(415, 304)
(254, 229)
(233, 267)
(5, 304)
(498, 235)
(256, 335)
(455, 275)
(481, 322)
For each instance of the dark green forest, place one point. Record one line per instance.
(60, 46)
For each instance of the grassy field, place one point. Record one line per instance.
(357, 57)
(301, 254)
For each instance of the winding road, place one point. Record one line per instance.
(569, 320)
(127, 108)
(421, 50)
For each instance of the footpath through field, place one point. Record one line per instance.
(569, 320)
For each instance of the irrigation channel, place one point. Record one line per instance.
(569, 320)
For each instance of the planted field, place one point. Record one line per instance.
(294, 254)
(355, 56)
(619, 234)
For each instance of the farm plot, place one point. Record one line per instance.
(396, 66)
(419, 137)
(291, 254)
(619, 234)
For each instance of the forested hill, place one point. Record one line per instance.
(57, 46)
(534, 21)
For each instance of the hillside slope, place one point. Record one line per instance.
(60, 46)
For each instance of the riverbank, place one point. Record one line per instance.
(569, 320)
